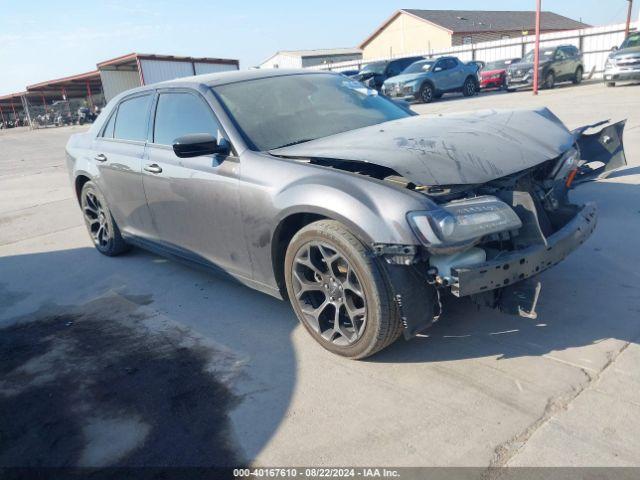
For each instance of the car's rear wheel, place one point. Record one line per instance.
(102, 228)
(469, 89)
(339, 291)
(550, 80)
(610, 84)
(427, 93)
(577, 77)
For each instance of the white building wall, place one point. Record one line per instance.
(155, 71)
(116, 81)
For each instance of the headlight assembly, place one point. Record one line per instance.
(463, 221)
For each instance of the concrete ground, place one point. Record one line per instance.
(151, 361)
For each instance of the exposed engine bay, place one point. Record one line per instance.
(498, 226)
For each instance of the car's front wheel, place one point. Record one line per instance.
(339, 291)
(427, 93)
(577, 77)
(469, 88)
(550, 80)
(102, 228)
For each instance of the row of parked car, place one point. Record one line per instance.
(425, 79)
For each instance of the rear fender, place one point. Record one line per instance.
(601, 152)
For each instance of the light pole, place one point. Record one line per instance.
(536, 50)
(626, 29)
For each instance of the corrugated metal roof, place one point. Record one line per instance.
(469, 21)
(134, 57)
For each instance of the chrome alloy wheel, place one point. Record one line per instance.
(95, 217)
(329, 293)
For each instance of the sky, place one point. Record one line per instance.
(42, 40)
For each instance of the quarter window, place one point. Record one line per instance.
(131, 120)
(179, 114)
(108, 130)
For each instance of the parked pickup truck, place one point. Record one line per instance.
(425, 80)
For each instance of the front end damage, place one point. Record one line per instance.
(473, 246)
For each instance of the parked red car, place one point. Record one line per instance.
(494, 73)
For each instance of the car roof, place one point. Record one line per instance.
(234, 76)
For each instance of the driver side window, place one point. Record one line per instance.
(182, 113)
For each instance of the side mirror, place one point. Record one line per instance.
(614, 48)
(198, 144)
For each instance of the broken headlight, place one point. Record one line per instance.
(462, 221)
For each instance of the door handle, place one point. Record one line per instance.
(101, 157)
(153, 168)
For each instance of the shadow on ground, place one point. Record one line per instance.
(103, 385)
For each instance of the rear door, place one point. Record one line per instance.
(440, 75)
(457, 73)
(193, 201)
(118, 153)
(561, 65)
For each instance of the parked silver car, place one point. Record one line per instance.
(425, 80)
(323, 192)
(624, 63)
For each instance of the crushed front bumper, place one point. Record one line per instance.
(519, 265)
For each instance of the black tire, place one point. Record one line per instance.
(549, 80)
(381, 321)
(577, 77)
(97, 215)
(610, 84)
(470, 87)
(427, 93)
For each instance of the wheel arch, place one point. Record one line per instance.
(428, 81)
(80, 180)
(294, 221)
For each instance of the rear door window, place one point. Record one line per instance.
(132, 119)
(182, 113)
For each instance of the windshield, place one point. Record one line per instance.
(285, 110)
(500, 64)
(544, 55)
(632, 40)
(377, 68)
(417, 67)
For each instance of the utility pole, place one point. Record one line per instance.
(536, 51)
(626, 29)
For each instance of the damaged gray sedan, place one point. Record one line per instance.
(313, 188)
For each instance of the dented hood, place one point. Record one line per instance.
(454, 149)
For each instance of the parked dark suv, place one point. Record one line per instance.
(374, 74)
(557, 64)
(361, 213)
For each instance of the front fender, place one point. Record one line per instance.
(376, 214)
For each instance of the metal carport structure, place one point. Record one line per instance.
(137, 69)
(84, 85)
(11, 107)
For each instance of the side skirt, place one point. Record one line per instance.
(193, 260)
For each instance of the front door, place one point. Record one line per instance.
(193, 201)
